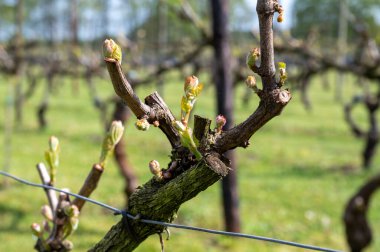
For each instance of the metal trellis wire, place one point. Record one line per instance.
(166, 224)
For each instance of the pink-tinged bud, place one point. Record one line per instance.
(36, 230)
(190, 83)
(220, 122)
(155, 169)
(156, 123)
(192, 88)
(108, 47)
(47, 213)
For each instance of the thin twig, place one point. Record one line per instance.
(50, 194)
(89, 185)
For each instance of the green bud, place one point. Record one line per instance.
(282, 70)
(281, 64)
(186, 105)
(112, 138)
(252, 57)
(142, 124)
(53, 144)
(52, 157)
(74, 222)
(71, 211)
(112, 50)
(116, 132)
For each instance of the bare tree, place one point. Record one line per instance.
(19, 59)
(224, 94)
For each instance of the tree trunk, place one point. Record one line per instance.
(224, 89)
(19, 66)
(160, 201)
(74, 22)
(358, 231)
(74, 43)
(121, 113)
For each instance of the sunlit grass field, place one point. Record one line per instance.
(294, 179)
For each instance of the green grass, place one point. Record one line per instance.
(292, 184)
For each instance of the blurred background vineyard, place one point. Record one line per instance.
(295, 178)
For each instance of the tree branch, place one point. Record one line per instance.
(272, 98)
(50, 194)
(358, 231)
(356, 130)
(265, 10)
(125, 91)
(89, 185)
(154, 110)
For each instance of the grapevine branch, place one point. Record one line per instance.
(160, 200)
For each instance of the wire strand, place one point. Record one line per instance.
(165, 224)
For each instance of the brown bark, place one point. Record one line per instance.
(372, 104)
(89, 185)
(160, 201)
(371, 136)
(44, 105)
(358, 231)
(224, 90)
